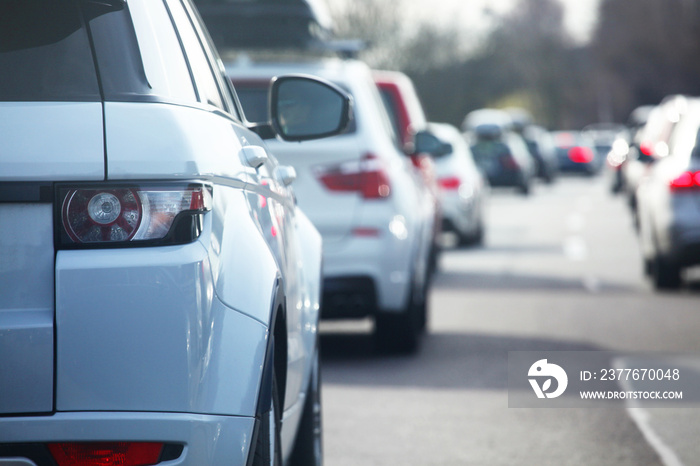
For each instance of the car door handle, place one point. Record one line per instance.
(254, 156)
(286, 174)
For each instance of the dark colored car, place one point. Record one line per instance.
(576, 153)
(503, 157)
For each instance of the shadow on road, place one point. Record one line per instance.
(518, 283)
(446, 360)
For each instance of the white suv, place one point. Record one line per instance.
(159, 288)
(364, 196)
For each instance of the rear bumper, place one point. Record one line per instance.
(459, 215)
(368, 269)
(204, 439)
(685, 245)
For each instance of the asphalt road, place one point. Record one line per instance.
(560, 271)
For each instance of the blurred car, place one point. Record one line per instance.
(486, 116)
(408, 118)
(159, 288)
(463, 187)
(576, 153)
(603, 136)
(622, 145)
(503, 157)
(650, 144)
(364, 196)
(669, 204)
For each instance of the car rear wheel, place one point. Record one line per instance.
(268, 449)
(308, 448)
(666, 274)
(400, 333)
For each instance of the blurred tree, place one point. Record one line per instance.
(379, 23)
(645, 50)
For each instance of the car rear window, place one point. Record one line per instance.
(88, 50)
(45, 52)
(254, 102)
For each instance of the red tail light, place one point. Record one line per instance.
(646, 148)
(106, 453)
(368, 177)
(109, 214)
(580, 154)
(449, 183)
(686, 180)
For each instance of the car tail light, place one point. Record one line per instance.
(686, 180)
(367, 176)
(580, 154)
(108, 215)
(106, 453)
(646, 148)
(449, 183)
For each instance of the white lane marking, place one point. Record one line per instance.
(642, 419)
(592, 284)
(575, 248)
(575, 222)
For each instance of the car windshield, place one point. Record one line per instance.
(45, 53)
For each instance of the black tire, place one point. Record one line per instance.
(268, 447)
(401, 332)
(474, 238)
(667, 274)
(525, 188)
(308, 447)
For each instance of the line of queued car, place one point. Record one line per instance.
(657, 168)
(160, 289)
(167, 242)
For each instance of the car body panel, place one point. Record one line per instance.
(462, 207)
(26, 308)
(52, 141)
(133, 152)
(143, 330)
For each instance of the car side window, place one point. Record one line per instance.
(163, 60)
(202, 72)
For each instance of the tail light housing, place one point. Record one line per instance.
(111, 215)
(685, 181)
(106, 453)
(579, 154)
(366, 176)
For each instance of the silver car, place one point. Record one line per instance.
(463, 188)
(364, 196)
(159, 288)
(668, 204)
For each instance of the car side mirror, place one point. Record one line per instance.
(304, 108)
(426, 142)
